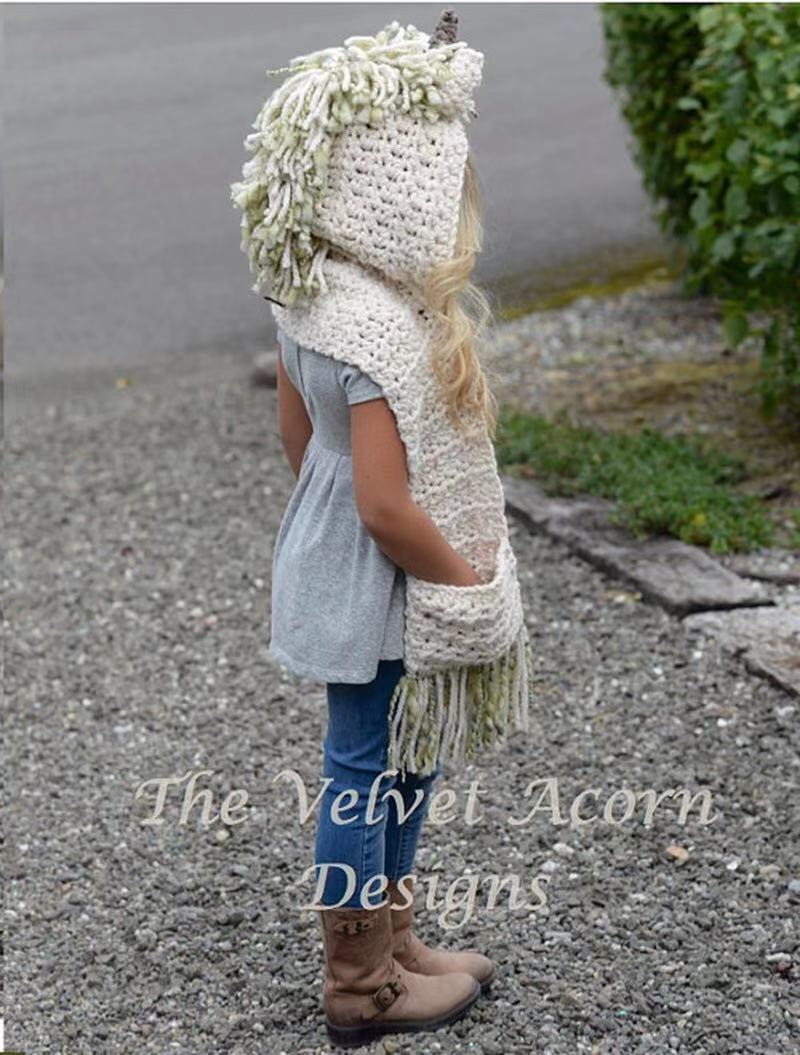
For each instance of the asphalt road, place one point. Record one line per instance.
(124, 127)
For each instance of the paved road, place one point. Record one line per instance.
(124, 127)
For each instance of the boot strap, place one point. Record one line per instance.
(384, 997)
(351, 927)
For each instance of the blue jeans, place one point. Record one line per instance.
(355, 754)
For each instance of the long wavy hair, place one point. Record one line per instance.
(464, 315)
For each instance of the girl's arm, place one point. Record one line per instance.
(295, 424)
(397, 524)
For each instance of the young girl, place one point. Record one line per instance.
(393, 579)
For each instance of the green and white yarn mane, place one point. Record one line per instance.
(360, 82)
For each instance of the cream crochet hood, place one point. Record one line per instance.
(351, 196)
(363, 148)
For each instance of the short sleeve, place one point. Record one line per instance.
(358, 386)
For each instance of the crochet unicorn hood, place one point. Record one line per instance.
(351, 196)
(361, 150)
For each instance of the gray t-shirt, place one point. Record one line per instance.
(338, 600)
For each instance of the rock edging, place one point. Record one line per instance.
(687, 581)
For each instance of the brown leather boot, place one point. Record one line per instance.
(367, 993)
(412, 953)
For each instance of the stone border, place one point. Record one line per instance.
(687, 581)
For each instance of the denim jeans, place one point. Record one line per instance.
(355, 754)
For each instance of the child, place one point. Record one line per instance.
(393, 578)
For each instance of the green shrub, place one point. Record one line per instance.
(662, 484)
(712, 95)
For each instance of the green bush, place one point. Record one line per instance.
(712, 95)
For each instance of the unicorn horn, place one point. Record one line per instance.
(446, 29)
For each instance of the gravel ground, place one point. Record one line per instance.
(650, 323)
(139, 535)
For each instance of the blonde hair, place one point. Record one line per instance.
(463, 313)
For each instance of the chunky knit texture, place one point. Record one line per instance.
(467, 652)
(404, 218)
(352, 196)
(331, 114)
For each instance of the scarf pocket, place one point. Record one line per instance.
(449, 625)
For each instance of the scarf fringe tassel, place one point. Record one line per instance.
(448, 715)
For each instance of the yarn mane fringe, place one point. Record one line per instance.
(358, 83)
(447, 715)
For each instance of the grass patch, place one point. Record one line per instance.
(661, 484)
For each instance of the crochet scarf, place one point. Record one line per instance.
(352, 195)
(467, 653)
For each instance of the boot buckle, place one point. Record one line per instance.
(384, 997)
(352, 927)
